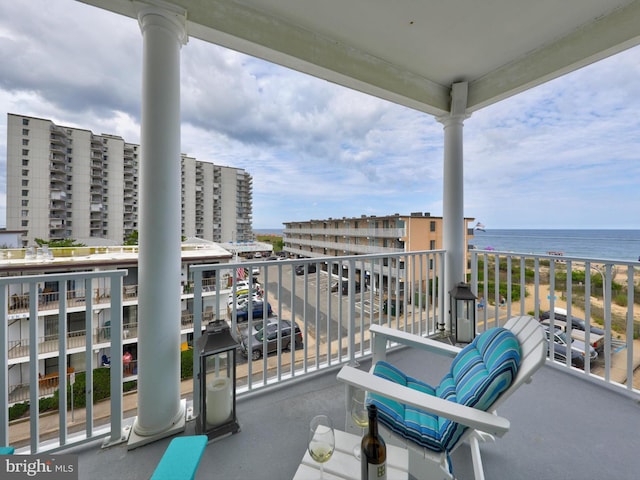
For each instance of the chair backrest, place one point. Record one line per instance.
(479, 374)
(533, 353)
(482, 375)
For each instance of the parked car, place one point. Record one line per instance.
(309, 267)
(344, 289)
(562, 345)
(242, 298)
(255, 327)
(245, 285)
(258, 310)
(596, 335)
(580, 324)
(272, 331)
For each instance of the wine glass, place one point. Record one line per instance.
(359, 415)
(321, 440)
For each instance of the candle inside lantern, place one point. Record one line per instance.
(219, 400)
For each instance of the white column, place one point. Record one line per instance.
(453, 194)
(159, 405)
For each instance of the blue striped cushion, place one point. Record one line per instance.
(479, 374)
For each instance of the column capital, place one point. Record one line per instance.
(458, 113)
(161, 13)
(449, 119)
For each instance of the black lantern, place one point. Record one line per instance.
(463, 313)
(217, 350)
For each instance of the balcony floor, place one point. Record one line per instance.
(562, 427)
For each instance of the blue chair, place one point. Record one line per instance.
(105, 361)
(434, 420)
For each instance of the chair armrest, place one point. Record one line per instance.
(471, 417)
(380, 335)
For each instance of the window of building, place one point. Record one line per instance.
(25, 213)
(25, 172)
(25, 183)
(432, 226)
(25, 203)
(25, 193)
(25, 142)
(25, 151)
(25, 121)
(25, 223)
(25, 162)
(432, 245)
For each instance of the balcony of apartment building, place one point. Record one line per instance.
(57, 165)
(58, 138)
(58, 147)
(342, 245)
(56, 177)
(373, 232)
(558, 411)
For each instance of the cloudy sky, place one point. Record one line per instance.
(564, 155)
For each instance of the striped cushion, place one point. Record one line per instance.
(479, 374)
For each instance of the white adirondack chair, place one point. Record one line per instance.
(482, 425)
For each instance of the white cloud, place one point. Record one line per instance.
(561, 155)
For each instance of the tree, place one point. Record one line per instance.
(132, 238)
(67, 242)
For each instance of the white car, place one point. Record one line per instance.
(241, 299)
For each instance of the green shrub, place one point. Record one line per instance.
(186, 364)
(101, 389)
(18, 410)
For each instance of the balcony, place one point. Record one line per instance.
(565, 409)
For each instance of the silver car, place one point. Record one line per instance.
(560, 338)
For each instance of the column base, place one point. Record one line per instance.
(179, 426)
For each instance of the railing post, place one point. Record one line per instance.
(197, 333)
(88, 391)
(62, 363)
(116, 361)
(4, 365)
(352, 310)
(34, 387)
(606, 298)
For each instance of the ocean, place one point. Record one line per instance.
(600, 244)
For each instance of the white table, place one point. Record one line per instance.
(343, 465)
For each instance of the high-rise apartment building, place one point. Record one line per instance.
(65, 182)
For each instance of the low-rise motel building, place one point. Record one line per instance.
(349, 236)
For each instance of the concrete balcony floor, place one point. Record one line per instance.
(562, 427)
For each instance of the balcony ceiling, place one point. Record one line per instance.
(410, 52)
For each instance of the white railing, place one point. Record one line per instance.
(602, 292)
(66, 341)
(332, 306)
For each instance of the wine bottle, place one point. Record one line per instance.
(373, 459)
